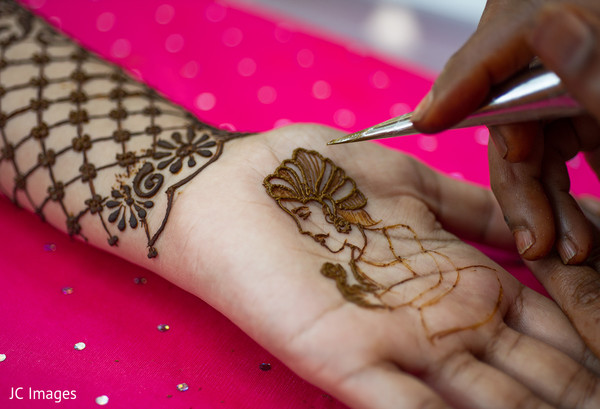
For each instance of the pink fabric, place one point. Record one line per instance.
(244, 69)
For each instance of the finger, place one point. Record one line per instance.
(487, 387)
(573, 230)
(526, 208)
(576, 289)
(455, 202)
(385, 387)
(497, 50)
(544, 370)
(566, 39)
(515, 142)
(537, 316)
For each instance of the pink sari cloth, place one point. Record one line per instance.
(244, 69)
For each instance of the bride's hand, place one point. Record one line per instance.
(338, 262)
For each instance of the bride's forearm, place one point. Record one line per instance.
(87, 148)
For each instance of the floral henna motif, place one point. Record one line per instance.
(85, 118)
(389, 266)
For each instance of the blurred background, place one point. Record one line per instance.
(423, 32)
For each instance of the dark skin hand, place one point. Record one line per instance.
(528, 160)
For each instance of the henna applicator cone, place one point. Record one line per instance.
(533, 94)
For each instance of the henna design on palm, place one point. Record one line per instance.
(390, 266)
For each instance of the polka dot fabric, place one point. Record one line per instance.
(239, 68)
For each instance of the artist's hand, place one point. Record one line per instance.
(459, 331)
(576, 288)
(527, 161)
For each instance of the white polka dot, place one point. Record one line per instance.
(190, 70)
(215, 13)
(55, 21)
(574, 163)
(281, 122)
(246, 67)
(305, 58)
(321, 89)
(344, 118)
(482, 136)
(427, 143)
(105, 22)
(164, 14)
(137, 74)
(174, 43)
(399, 108)
(232, 37)
(206, 101)
(267, 94)
(457, 175)
(120, 48)
(226, 126)
(36, 4)
(380, 80)
(283, 33)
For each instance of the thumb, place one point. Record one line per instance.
(567, 40)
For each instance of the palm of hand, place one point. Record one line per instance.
(377, 303)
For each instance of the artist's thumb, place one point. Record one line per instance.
(567, 40)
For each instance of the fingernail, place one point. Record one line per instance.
(567, 250)
(499, 142)
(562, 39)
(422, 108)
(523, 239)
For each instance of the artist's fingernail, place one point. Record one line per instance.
(523, 239)
(499, 142)
(562, 39)
(567, 250)
(422, 108)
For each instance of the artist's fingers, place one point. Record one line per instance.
(515, 142)
(576, 289)
(497, 50)
(567, 40)
(544, 370)
(467, 382)
(573, 231)
(385, 387)
(519, 190)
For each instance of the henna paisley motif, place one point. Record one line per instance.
(146, 183)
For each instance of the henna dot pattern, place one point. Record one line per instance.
(382, 266)
(93, 133)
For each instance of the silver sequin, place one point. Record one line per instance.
(182, 387)
(2, 357)
(163, 327)
(80, 346)
(102, 400)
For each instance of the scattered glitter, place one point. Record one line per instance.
(163, 327)
(49, 247)
(265, 366)
(80, 346)
(169, 396)
(67, 290)
(102, 400)
(182, 387)
(2, 357)
(140, 280)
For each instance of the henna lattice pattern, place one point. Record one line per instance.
(85, 118)
(390, 266)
